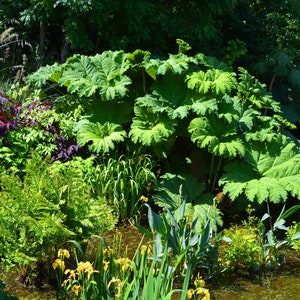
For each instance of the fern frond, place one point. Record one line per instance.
(103, 136)
(7, 36)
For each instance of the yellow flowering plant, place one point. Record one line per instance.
(59, 264)
(79, 281)
(148, 275)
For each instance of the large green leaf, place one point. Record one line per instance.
(211, 62)
(200, 214)
(217, 135)
(118, 111)
(155, 103)
(103, 136)
(170, 95)
(263, 130)
(267, 172)
(150, 128)
(202, 105)
(177, 64)
(174, 188)
(173, 90)
(104, 73)
(46, 73)
(212, 81)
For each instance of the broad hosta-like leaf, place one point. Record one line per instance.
(267, 173)
(102, 136)
(217, 135)
(104, 73)
(150, 128)
(212, 81)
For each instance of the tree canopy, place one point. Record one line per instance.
(259, 35)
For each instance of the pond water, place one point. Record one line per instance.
(280, 287)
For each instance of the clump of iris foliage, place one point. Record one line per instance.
(100, 140)
(152, 273)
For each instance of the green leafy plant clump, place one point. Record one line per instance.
(134, 99)
(49, 205)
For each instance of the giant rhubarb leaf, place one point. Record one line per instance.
(102, 136)
(213, 81)
(46, 73)
(150, 128)
(217, 135)
(266, 173)
(104, 72)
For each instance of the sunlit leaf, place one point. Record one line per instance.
(102, 136)
(270, 173)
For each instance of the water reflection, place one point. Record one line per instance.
(279, 287)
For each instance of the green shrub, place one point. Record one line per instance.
(258, 245)
(241, 254)
(294, 231)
